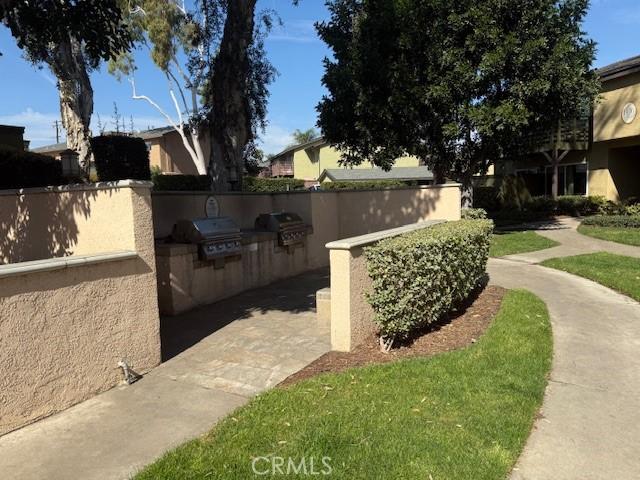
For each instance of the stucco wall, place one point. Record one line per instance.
(607, 116)
(333, 214)
(63, 332)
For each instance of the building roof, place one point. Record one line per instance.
(145, 135)
(56, 147)
(618, 69)
(364, 174)
(315, 142)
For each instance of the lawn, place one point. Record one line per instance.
(628, 236)
(460, 415)
(618, 272)
(509, 243)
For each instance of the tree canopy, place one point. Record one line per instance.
(453, 83)
(300, 136)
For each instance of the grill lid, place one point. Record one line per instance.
(201, 230)
(275, 222)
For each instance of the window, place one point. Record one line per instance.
(572, 179)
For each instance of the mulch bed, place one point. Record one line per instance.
(459, 329)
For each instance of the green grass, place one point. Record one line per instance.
(628, 236)
(509, 243)
(460, 415)
(618, 272)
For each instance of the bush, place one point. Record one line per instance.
(473, 214)
(28, 169)
(191, 183)
(271, 185)
(486, 198)
(579, 206)
(365, 185)
(633, 209)
(118, 157)
(513, 192)
(419, 277)
(616, 221)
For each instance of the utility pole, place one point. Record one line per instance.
(56, 125)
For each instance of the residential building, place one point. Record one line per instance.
(12, 138)
(166, 150)
(308, 160)
(600, 153)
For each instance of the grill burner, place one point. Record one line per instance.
(289, 226)
(216, 237)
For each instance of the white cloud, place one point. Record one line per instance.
(300, 31)
(275, 139)
(40, 129)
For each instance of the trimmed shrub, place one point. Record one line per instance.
(365, 185)
(579, 206)
(191, 183)
(420, 276)
(633, 209)
(271, 185)
(28, 169)
(616, 221)
(118, 157)
(473, 214)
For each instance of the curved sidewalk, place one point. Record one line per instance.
(563, 231)
(589, 426)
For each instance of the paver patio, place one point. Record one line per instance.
(238, 347)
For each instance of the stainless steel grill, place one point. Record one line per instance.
(216, 237)
(289, 226)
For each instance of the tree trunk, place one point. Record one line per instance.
(467, 192)
(230, 120)
(76, 98)
(554, 177)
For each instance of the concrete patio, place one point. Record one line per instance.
(217, 358)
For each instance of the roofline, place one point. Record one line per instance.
(327, 173)
(318, 140)
(621, 68)
(12, 127)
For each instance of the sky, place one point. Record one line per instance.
(29, 95)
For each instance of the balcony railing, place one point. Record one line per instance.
(571, 135)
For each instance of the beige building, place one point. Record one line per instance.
(601, 151)
(166, 151)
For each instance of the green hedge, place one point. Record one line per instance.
(192, 183)
(420, 276)
(616, 221)
(473, 214)
(365, 185)
(271, 185)
(118, 157)
(28, 169)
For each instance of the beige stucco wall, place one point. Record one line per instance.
(63, 332)
(607, 116)
(333, 215)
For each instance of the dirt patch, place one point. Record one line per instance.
(460, 328)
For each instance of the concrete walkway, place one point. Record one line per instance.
(563, 231)
(590, 421)
(236, 348)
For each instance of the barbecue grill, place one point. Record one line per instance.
(289, 226)
(216, 237)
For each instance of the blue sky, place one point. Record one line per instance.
(29, 95)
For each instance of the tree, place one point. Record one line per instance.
(306, 136)
(71, 38)
(453, 83)
(180, 43)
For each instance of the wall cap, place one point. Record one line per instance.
(300, 192)
(79, 187)
(369, 238)
(50, 264)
